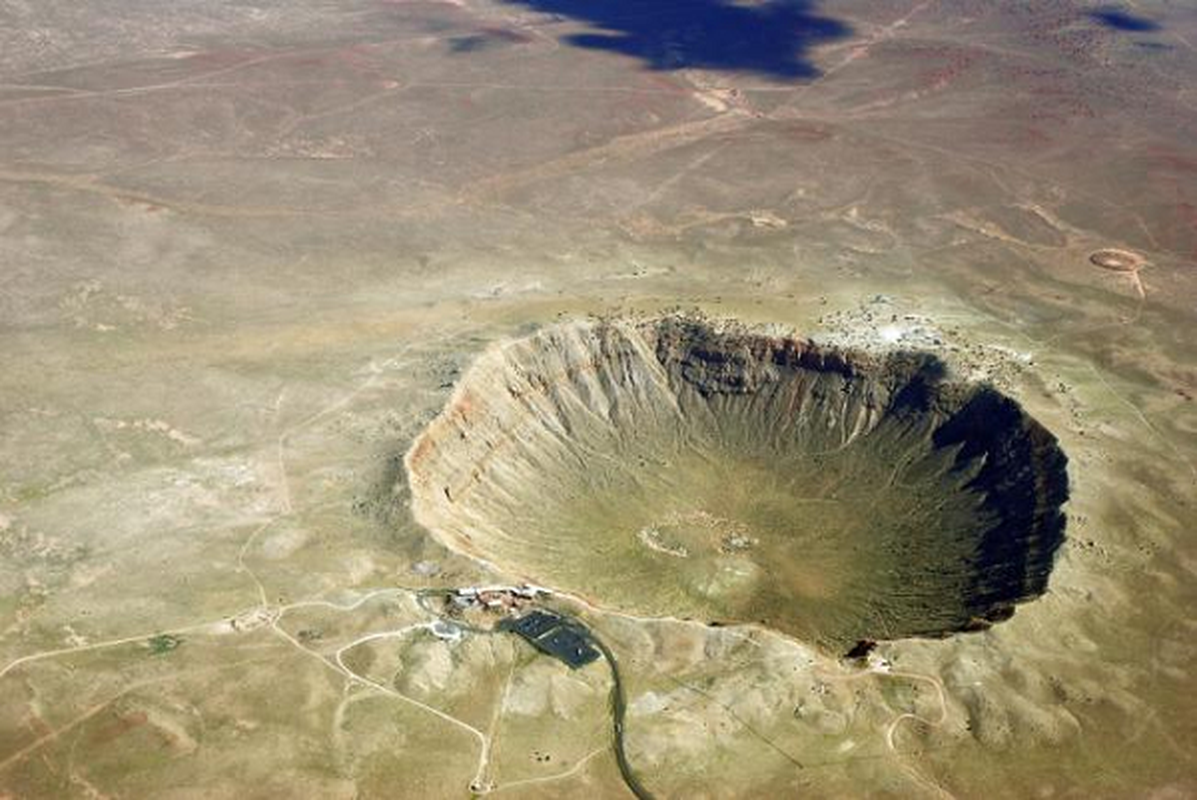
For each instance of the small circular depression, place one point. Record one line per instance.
(1117, 260)
(676, 468)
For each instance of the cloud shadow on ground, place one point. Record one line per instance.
(1121, 20)
(770, 39)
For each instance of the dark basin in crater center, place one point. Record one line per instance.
(674, 468)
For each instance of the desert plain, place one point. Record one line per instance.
(251, 252)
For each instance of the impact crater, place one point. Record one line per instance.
(675, 467)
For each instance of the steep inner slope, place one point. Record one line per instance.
(669, 467)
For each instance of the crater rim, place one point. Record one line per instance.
(725, 363)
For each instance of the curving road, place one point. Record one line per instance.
(618, 698)
(618, 709)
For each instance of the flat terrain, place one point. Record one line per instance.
(248, 248)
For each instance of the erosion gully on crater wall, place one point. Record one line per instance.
(674, 467)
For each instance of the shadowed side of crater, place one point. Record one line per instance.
(675, 468)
